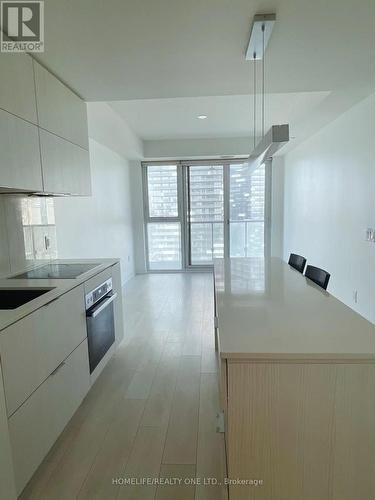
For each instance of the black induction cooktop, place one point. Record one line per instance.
(56, 271)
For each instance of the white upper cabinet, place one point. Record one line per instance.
(17, 91)
(33, 104)
(20, 167)
(60, 110)
(66, 167)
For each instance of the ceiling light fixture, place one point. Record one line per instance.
(278, 135)
(202, 117)
(256, 38)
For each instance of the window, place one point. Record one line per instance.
(198, 211)
(162, 191)
(163, 217)
(246, 210)
(164, 246)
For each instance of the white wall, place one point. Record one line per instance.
(330, 201)
(107, 127)
(138, 217)
(100, 225)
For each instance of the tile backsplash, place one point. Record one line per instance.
(27, 232)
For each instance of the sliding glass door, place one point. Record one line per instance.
(247, 190)
(198, 211)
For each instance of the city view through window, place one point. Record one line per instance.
(204, 213)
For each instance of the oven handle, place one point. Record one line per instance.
(97, 310)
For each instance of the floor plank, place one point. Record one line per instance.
(180, 482)
(144, 462)
(181, 441)
(159, 403)
(113, 455)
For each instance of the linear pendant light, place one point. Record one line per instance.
(278, 135)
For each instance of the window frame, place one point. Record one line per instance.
(182, 205)
(162, 219)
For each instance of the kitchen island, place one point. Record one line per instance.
(297, 377)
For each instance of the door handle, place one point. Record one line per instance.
(97, 310)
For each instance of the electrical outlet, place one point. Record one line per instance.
(370, 234)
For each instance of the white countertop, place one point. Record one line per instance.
(268, 310)
(58, 287)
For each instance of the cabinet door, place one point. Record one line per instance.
(60, 110)
(7, 487)
(20, 157)
(66, 167)
(34, 346)
(17, 91)
(38, 423)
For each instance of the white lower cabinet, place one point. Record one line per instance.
(36, 425)
(33, 347)
(7, 486)
(66, 167)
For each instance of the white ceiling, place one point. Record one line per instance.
(148, 50)
(127, 49)
(227, 116)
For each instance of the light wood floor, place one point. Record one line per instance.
(152, 411)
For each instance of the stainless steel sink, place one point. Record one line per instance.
(11, 298)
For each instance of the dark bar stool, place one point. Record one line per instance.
(297, 261)
(318, 276)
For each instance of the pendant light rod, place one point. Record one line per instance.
(278, 135)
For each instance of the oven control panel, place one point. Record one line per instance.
(98, 293)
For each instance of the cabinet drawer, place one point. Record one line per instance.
(39, 421)
(20, 166)
(34, 346)
(66, 167)
(60, 110)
